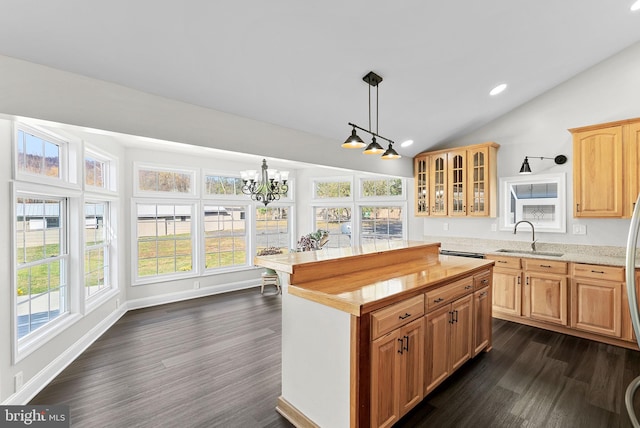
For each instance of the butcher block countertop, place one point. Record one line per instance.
(361, 279)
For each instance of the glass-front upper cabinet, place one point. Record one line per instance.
(458, 183)
(438, 195)
(478, 159)
(421, 175)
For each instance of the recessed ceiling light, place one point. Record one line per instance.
(500, 88)
(635, 6)
(410, 142)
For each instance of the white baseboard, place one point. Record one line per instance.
(146, 302)
(53, 369)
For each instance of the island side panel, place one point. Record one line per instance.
(316, 361)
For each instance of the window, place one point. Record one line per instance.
(42, 261)
(96, 249)
(37, 155)
(165, 180)
(222, 186)
(389, 187)
(272, 227)
(539, 199)
(164, 239)
(332, 189)
(95, 172)
(336, 220)
(225, 236)
(381, 222)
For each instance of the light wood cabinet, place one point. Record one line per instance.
(507, 286)
(449, 331)
(439, 184)
(546, 292)
(606, 176)
(482, 320)
(596, 295)
(421, 178)
(457, 182)
(397, 360)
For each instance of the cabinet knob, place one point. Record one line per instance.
(468, 287)
(484, 281)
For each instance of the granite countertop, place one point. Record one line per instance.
(591, 254)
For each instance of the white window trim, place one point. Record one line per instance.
(70, 171)
(195, 233)
(361, 197)
(355, 229)
(92, 302)
(137, 193)
(111, 187)
(332, 179)
(203, 271)
(35, 340)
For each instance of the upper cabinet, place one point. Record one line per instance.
(606, 177)
(457, 182)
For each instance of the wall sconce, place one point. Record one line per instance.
(526, 169)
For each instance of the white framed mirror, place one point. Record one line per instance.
(540, 199)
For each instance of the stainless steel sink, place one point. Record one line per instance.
(533, 253)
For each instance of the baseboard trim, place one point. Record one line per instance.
(38, 382)
(146, 302)
(293, 415)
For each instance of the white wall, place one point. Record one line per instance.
(607, 92)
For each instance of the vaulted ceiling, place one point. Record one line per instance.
(300, 64)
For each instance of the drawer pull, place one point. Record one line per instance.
(597, 271)
(456, 315)
(401, 346)
(501, 261)
(438, 300)
(484, 293)
(406, 347)
(468, 287)
(405, 316)
(545, 266)
(451, 317)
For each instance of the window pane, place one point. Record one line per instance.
(383, 187)
(38, 156)
(38, 229)
(381, 223)
(150, 180)
(336, 220)
(223, 186)
(225, 236)
(94, 171)
(272, 228)
(164, 239)
(333, 189)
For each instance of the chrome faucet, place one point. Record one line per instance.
(533, 231)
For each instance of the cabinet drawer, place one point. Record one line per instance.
(549, 266)
(607, 273)
(443, 295)
(505, 262)
(481, 280)
(386, 319)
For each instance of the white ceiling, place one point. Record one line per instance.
(299, 64)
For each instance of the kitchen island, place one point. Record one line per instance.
(367, 331)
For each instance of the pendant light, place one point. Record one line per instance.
(355, 142)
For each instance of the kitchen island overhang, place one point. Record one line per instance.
(328, 298)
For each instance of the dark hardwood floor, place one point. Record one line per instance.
(215, 362)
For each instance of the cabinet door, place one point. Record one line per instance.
(385, 376)
(478, 191)
(437, 336)
(596, 306)
(482, 320)
(507, 292)
(598, 173)
(438, 179)
(412, 365)
(461, 331)
(547, 298)
(632, 156)
(421, 176)
(457, 197)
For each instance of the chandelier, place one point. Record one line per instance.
(265, 186)
(355, 142)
